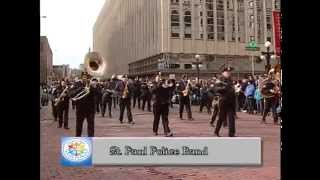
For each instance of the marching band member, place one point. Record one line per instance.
(62, 104)
(113, 83)
(85, 106)
(145, 96)
(98, 97)
(124, 89)
(204, 98)
(161, 91)
(226, 102)
(106, 99)
(270, 93)
(136, 92)
(184, 90)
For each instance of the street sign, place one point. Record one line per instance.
(252, 46)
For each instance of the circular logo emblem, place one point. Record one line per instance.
(76, 150)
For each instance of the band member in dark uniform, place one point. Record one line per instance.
(54, 95)
(62, 104)
(215, 103)
(270, 93)
(113, 84)
(161, 91)
(98, 97)
(124, 90)
(106, 99)
(85, 97)
(145, 96)
(136, 92)
(226, 102)
(184, 90)
(204, 98)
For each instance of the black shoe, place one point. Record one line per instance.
(211, 123)
(181, 118)
(121, 122)
(217, 134)
(102, 115)
(131, 122)
(110, 116)
(232, 136)
(155, 133)
(66, 128)
(59, 126)
(169, 135)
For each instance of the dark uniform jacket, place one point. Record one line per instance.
(145, 91)
(88, 103)
(137, 88)
(161, 94)
(226, 91)
(56, 94)
(120, 86)
(106, 94)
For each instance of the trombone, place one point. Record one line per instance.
(81, 94)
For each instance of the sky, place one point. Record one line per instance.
(68, 26)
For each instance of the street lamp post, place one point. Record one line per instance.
(268, 55)
(197, 63)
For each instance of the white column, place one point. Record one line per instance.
(193, 33)
(226, 25)
(236, 23)
(255, 21)
(264, 19)
(215, 20)
(181, 13)
(245, 7)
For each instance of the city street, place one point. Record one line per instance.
(247, 126)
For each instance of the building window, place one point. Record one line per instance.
(175, 23)
(188, 36)
(269, 39)
(187, 66)
(201, 36)
(269, 27)
(210, 19)
(187, 24)
(175, 34)
(220, 20)
(200, 13)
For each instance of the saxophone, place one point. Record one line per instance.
(185, 92)
(125, 91)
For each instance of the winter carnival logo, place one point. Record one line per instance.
(76, 151)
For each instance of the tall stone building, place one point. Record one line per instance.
(143, 37)
(46, 70)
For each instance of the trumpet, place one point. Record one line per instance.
(81, 95)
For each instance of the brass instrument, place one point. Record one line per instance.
(95, 64)
(125, 91)
(185, 92)
(62, 95)
(81, 94)
(267, 88)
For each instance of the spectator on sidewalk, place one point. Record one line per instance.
(249, 93)
(259, 101)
